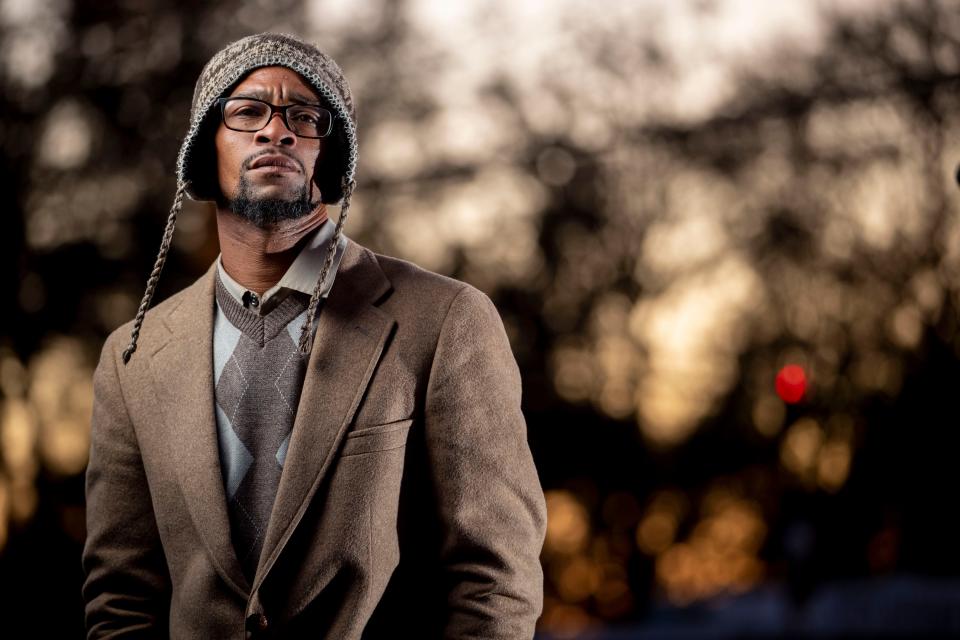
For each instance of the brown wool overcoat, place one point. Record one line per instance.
(409, 504)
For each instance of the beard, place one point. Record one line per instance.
(265, 212)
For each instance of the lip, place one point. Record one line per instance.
(274, 163)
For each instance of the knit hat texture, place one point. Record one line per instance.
(196, 162)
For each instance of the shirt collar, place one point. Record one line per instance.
(300, 276)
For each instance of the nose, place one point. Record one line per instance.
(276, 132)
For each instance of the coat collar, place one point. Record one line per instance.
(351, 334)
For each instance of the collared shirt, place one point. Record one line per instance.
(300, 276)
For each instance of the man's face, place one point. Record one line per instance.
(266, 175)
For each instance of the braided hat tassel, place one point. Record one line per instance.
(306, 332)
(157, 268)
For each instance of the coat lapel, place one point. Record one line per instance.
(350, 337)
(183, 376)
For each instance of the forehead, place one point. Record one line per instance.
(275, 83)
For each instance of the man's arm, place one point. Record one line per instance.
(127, 587)
(490, 502)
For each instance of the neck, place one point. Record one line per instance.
(258, 257)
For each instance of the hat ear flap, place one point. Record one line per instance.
(201, 170)
(329, 172)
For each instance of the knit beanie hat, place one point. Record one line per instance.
(196, 163)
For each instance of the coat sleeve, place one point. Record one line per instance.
(126, 588)
(491, 504)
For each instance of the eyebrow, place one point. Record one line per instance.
(259, 94)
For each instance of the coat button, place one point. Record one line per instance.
(257, 622)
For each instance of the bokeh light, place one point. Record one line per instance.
(791, 383)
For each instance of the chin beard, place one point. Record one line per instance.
(265, 212)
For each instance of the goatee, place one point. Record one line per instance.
(268, 211)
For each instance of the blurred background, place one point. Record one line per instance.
(723, 236)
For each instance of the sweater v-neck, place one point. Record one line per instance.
(260, 328)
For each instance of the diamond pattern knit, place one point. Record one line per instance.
(257, 392)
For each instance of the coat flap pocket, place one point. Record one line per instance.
(380, 437)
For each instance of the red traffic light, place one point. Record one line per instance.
(791, 383)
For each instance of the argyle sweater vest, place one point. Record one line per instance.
(258, 378)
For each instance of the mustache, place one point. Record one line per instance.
(272, 152)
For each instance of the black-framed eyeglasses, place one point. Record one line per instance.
(250, 115)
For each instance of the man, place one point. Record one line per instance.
(312, 440)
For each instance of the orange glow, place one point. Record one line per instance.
(801, 446)
(677, 569)
(768, 415)
(721, 553)
(563, 620)
(656, 532)
(658, 528)
(833, 466)
(614, 597)
(689, 334)
(568, 525)
(578, 580)
(18, 437)
(23, 499)
(45, 419)
(573, 372)
(61, 393)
